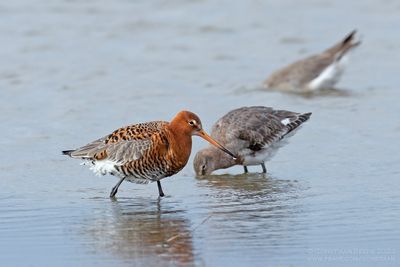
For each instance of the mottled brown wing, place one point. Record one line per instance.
(89, 151)
(123, 145)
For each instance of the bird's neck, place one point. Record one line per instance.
(180, 145)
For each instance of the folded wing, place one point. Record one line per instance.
(256, 127)
(123, 145)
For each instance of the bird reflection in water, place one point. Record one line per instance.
(254, 194)
(248, 184)
(254, 207)
(142, 232)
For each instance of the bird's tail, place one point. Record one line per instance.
(68, 152)
(298, 121)
(341, 48)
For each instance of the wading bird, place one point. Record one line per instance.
(320, 71)
(253, 134)
(145, 152)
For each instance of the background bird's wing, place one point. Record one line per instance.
(255, 127)
(316, 64)
(261, 131)
(312, 67)
(301, 71)
(252, 127)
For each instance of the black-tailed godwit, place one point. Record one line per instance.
(145, 152)
(253, 134)
(320, 71)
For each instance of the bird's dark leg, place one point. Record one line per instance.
(160, 192)
(263, 167)
(245, 169)
(115, 188)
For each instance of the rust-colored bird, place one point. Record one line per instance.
(145, 152)
(254, 134)
(319, 71)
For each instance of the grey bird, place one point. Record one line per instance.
(320, 71)
(254, 134)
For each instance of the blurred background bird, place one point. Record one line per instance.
(319, 71)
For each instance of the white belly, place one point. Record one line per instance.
(102, 167)
(329, 76)
(265, 154)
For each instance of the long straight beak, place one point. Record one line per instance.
(208, 138)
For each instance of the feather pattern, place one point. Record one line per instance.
(255, 127)
(253, 133)
(145, 152)
(129, 151)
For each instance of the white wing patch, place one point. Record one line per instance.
(285, 121)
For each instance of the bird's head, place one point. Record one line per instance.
(190, 124)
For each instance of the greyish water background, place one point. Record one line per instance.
(73, 71)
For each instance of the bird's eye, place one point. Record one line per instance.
(192, 123)
(203, 170)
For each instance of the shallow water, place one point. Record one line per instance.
(74, 71)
